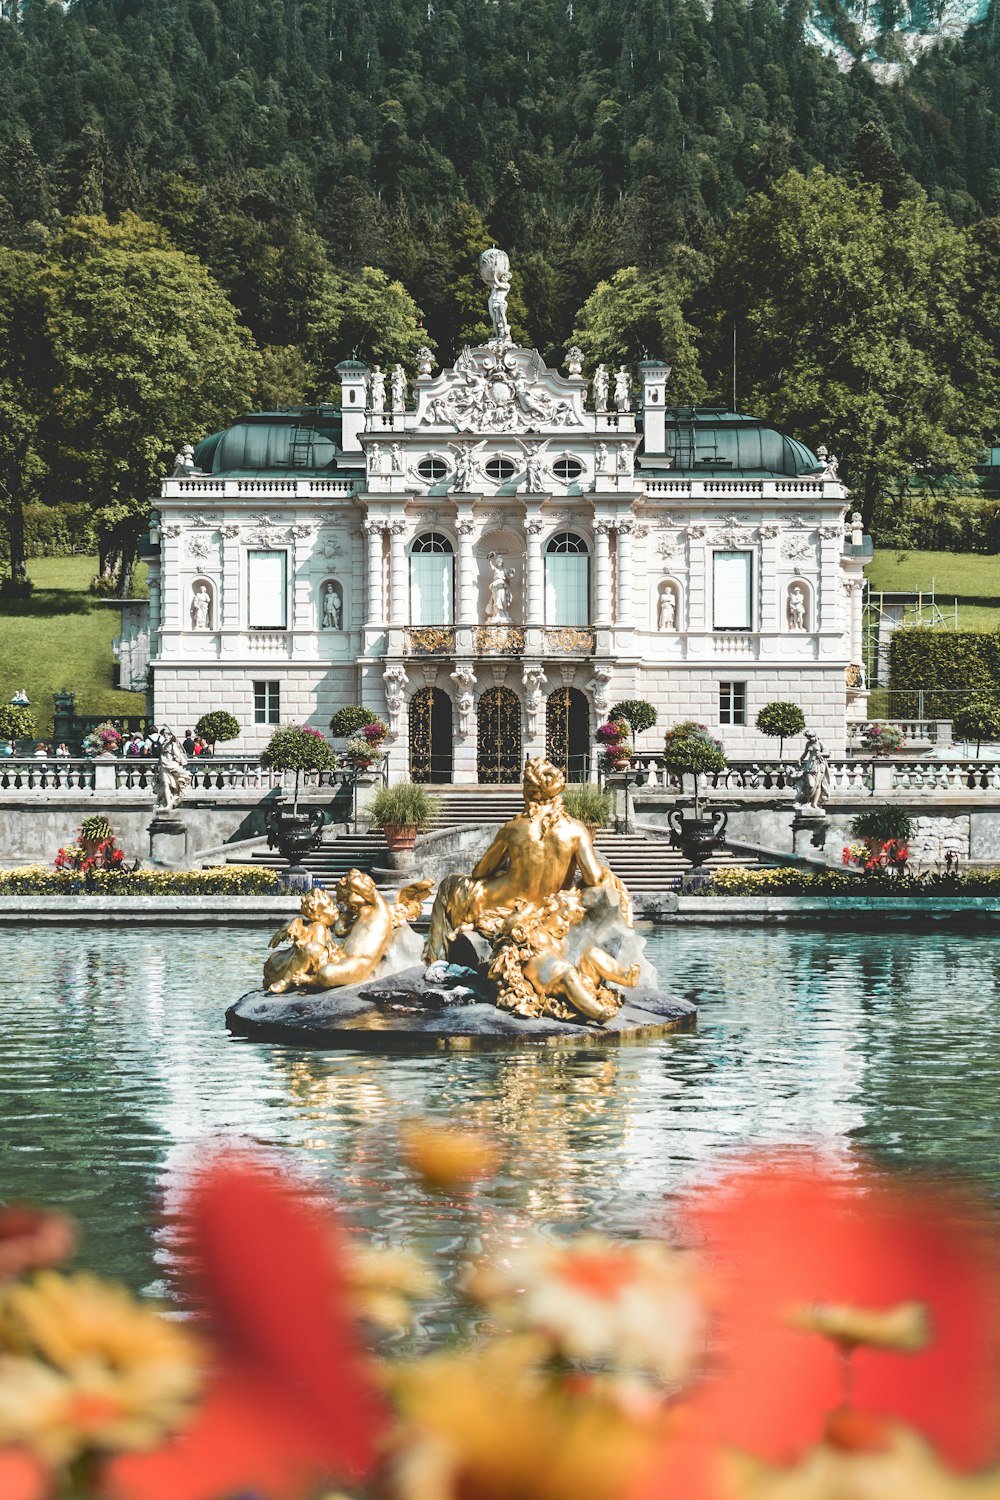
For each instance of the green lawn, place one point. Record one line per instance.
(61, 638)
(971, 577)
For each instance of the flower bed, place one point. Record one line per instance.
(880, 881)
(228, 880)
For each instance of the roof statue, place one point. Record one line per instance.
(494, 268)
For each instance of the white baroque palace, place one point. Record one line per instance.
(493, 555)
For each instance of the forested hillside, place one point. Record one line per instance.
(206, 203)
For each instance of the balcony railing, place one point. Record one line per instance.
(430, 640)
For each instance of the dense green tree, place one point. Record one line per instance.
(146, 352)
(367, 315)
(22, 386)
(634, 315)
(851, 330)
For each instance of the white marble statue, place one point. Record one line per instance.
(625, 458)
(466, 468)
(425, 360)
(534, 471)
(574, 361)
(184, 463)
(377, 398)
(501, 595)
(396, 458)
(464, 679)
(601, 459)
(395, 680)
(623, 389)
(602, 387)
(796, 609)
(494, 268)
(829, 461)
(534, 681)
(333, 607)
(376, 459)
(813, 786)
(666, 615)
(857, 528)
(201, 608)
(599, 687)
(398, 386)
(173, 777)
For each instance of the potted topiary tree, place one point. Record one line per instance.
(217, 725)
(780, 720)
(979, 720)
(350, 721)
(296, 747)
(690, 749)
(636, 712)
(401, 811)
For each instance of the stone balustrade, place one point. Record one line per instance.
(200, 487)
(213, 776)
(917, 732)
(913, 778)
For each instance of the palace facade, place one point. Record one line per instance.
(492, 555)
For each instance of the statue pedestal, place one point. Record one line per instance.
(168, 841)
(809, 829)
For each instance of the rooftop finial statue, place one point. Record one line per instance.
(494, 268)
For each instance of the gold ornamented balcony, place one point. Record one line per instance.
(571, 640)
(430, 640)
(499, 640)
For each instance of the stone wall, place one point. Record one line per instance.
(309, 695)
(679, 693)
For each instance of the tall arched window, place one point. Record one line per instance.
(432, 580)
(567, 580)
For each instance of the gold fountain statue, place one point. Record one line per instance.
(523, 899)
(342, 942)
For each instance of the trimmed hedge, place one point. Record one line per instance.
(227, 880)
(943, 523)
(787, 881)
(56, 531)
(942, 663)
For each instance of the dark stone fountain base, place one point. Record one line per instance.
(441, 1009)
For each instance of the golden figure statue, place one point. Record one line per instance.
(536, 976)
(524, 896)
(333, 944)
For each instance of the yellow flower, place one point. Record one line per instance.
(445, 1157)
(83, 1365)
(384, 1283)
(634, 1304)
(490, 1424)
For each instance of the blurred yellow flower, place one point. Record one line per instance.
(383, 1284)
(446, 1157)
(83, 1365)
(637, 1305)
(490, 1423)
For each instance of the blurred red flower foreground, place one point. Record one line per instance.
(854, 1355)
(292, 1399)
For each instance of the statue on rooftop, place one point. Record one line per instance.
(623, 389)
(184, 465)
(377, 399)
(602, 388)
(398, 386)
(494, 268)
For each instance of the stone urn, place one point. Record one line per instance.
(697, 837)
(294, 834)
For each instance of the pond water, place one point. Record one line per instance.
(115, 1068)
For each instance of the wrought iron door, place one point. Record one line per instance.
(430, 736)
(567, 732)
(498, 758)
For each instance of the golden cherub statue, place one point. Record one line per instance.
(535, 974)
(343, 942)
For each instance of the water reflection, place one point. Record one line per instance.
(115, 1068)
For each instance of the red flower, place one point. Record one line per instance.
(786, 1237)
(22, 1476)
(292, 1401)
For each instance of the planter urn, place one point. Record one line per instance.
(294, 835)
(697, 838)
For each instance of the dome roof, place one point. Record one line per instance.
(711, 440)
(303, 441)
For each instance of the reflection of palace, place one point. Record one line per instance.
(495, 557)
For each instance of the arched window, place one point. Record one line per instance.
(567, 580)
(432, 588)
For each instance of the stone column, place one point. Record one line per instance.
(536, 573)
(229, 593)
(770, 604)
(376, 596)
(602, 566)
(399, 608)
(831, 547)
(467, 573)
(626, 575)
(699, 584)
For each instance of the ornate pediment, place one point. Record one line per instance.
(492, 390)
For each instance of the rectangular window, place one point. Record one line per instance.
(567, 588)
(431, 589)
(267, 590)
(732, 573)
(732, 702)
(267, 702)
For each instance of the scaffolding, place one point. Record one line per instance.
(886, 611)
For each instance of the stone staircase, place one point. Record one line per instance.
(457, 806)
(651, 866)
(333, 858)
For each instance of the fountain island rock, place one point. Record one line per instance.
(533, 947)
